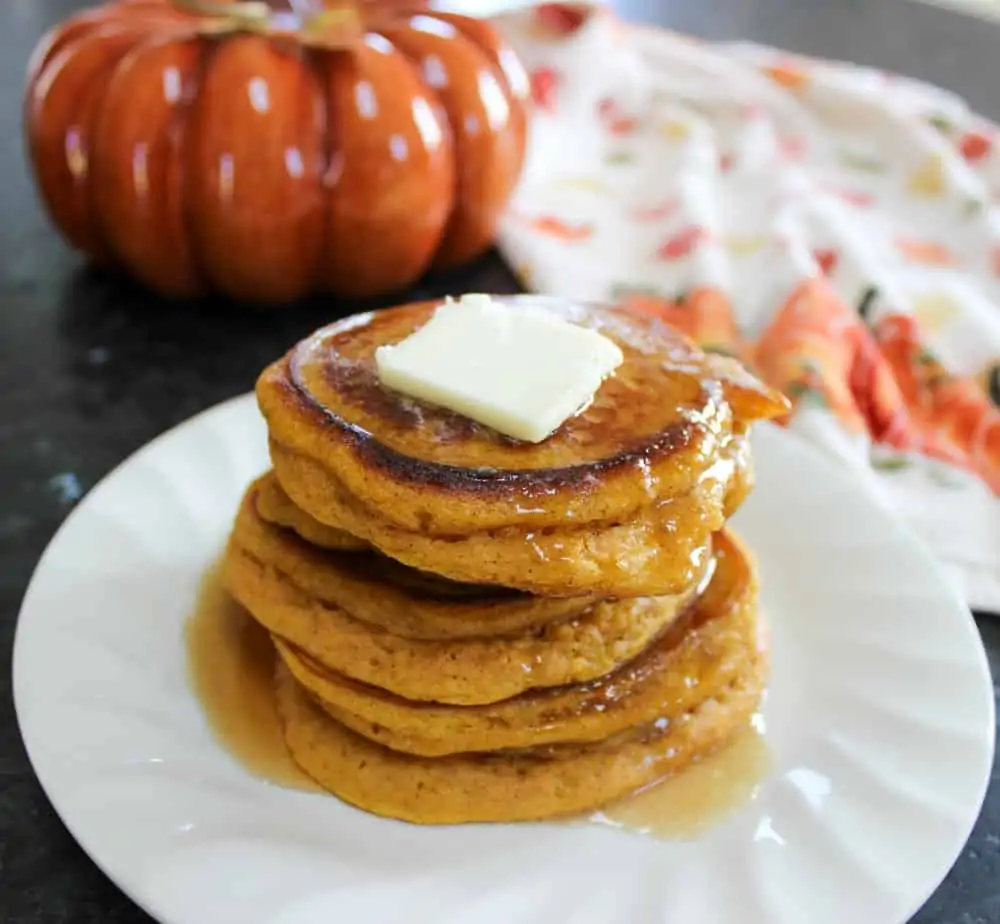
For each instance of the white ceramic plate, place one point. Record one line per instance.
(879, 716)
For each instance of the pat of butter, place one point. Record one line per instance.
(522, 371)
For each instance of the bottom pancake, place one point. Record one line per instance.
(505, 786)
(701, 652)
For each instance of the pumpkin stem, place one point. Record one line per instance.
(334, 25)
(305, 9)
(244, 10)
(329, 24)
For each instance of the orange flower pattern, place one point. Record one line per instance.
(826, 259)
(615, 120)
(656, 212)
(954, 417)
(975, 146)
(704, 314)
(852, 268)
(681, 243)
(544, 88)
(551, 226)
(557, 20)
(929, 253)
(788, 75)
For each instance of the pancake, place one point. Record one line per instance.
(651, 432)
(702, 652)
(658, 551)
(274, 506)
(457, 671)
(504, 786)
(384, 593)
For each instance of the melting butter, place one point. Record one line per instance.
(522, 371)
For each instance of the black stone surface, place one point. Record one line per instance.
(91, 368)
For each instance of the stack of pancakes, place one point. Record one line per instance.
(474, 628)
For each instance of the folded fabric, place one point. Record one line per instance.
(837, 228)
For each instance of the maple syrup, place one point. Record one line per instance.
(702, 796)
(231, 668)
(231, 664)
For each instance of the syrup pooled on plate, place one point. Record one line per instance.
(700, 797)
(231, 663)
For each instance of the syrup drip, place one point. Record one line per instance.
(231, 668)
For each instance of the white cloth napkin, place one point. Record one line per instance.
(837, 228)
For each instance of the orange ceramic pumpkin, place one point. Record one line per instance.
(268, 152)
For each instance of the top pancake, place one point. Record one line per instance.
(653, 428)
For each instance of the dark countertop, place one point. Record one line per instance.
(91, 368)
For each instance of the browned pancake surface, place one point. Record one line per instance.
(652, 429)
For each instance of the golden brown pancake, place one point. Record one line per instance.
(384, 593)
(658, 551)
(702, 652)
(520, 785)
(458, 671)
(653, 429)
(475, 628)
(274, 506)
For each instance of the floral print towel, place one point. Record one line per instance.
(836, 228)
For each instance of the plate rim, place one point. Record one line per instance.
(903, 535)
(79, 510)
